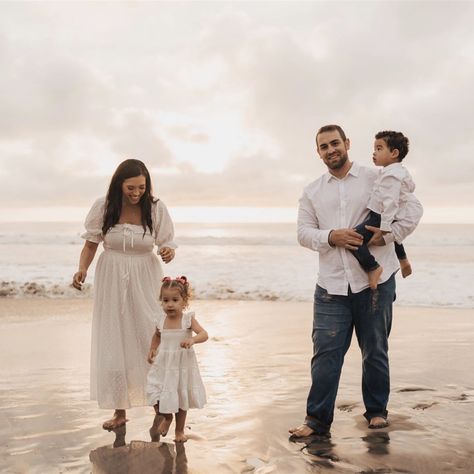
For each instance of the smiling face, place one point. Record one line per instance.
(382, 155)
(333, 150)
(133, 189)
(172, 302)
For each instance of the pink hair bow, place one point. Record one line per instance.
(181, 279)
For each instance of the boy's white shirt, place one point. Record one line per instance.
(392, 189)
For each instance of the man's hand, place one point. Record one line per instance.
(347, 238)
(377, 238)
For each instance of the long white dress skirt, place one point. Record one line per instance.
(126, 306)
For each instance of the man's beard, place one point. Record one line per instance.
(337, 164)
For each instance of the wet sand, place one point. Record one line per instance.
(256, 370)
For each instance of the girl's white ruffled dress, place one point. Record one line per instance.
(174, 378)
(126, 304)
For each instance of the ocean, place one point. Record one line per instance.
(246, 261)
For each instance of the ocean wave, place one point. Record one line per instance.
(205, 240)
(220, 291)
(31, 289)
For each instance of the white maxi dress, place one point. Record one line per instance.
(126, 305)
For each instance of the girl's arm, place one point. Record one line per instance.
(155, 342)
(201, 335)
(87, 255)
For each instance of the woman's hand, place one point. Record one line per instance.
(167, 254)
(78, 279)
(187, 343)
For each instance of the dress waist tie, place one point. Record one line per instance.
(127, 232)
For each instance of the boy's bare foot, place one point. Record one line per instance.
(180, 437)
(115, 422)
(165, 424)
(405, 267)
(374, 276)
(301, 431)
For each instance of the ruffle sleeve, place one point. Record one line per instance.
(160, 322)
(94, 221)
(187, 318)
(163, 227)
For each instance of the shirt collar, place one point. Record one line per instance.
(354, 171)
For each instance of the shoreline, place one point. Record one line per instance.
(256, 371)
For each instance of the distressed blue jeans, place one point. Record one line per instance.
(370, 314)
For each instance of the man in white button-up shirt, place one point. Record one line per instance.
(328, 211)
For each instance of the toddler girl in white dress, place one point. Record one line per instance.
(174, 383)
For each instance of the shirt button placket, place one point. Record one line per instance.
(343, 205)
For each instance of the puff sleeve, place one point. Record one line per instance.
(163, 227)
(94, 221)
(187, 319)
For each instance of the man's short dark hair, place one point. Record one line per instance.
(331, 128)
(395, 141)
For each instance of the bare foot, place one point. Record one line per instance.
(165, 424)
(405, 267)
(301, 431)
(374, 276)
(378, 422)
(180, 437)
(115, 422)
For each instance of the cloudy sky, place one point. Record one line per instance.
(221, 100)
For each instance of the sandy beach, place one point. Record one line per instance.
(256, 370)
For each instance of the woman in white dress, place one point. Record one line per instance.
(130, 222)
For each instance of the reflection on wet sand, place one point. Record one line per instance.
(319, 448)
(140, 457)
(120, 436)
(256, 370)
(377, 443)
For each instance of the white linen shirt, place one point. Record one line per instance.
(390, 195)
(330, 203)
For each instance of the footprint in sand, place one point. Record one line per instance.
(463, 397)
(416, 389)
(347, 407)
(424, 406)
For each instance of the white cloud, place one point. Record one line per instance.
(222, 100)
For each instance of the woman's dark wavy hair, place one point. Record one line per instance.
(113, 203)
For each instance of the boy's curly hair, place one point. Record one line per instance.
(395, 141)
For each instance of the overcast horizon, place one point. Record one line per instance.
(221, 100)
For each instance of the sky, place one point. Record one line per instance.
(221, 100)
